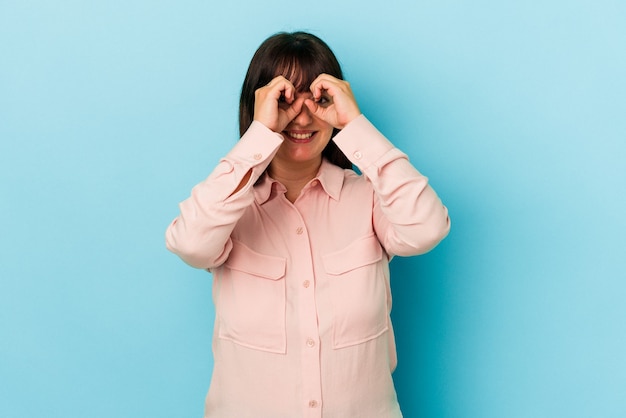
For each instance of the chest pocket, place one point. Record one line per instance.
(358, 290)
(250, 301)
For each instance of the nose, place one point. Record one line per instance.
(304, 117)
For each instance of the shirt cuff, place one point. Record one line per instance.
(257, 146)
(253, 152)
(362, 143)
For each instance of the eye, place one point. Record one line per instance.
(282, 102)
(324, 101)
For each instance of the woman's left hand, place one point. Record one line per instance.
(333, 101)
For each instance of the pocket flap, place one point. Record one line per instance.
(360, 253)
(244, 259)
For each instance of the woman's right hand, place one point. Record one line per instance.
(275, 104)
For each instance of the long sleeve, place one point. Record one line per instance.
(409, 217)
(303, 287)
(200, 235)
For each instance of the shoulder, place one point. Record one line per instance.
(355, 186)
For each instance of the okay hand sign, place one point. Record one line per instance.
(333, 101)
(275, 104)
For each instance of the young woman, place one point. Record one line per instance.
(299, 244)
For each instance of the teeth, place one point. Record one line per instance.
(301, 136)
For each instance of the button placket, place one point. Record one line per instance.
(307, 312)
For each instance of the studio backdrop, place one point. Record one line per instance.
(110, 111)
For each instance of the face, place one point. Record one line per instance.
(306, 136)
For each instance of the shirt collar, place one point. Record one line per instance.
(329, 176)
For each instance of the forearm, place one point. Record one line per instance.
(409, 217)
(200, 234)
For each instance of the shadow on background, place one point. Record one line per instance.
(419, 315)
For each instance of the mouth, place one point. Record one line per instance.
(300, 137)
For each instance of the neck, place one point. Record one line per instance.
(294, 176)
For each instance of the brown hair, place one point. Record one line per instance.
(299, 57)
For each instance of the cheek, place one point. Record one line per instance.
(325, 137)
(326, 132)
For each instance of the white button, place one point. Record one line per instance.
(257, 156)
(310, 343)
(358, 155)
(313, 404)
(306, 283)
(314, 183)
(299, 230)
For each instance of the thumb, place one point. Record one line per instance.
(327, 114)
(311, 105)
(315, 109)
(295, 108)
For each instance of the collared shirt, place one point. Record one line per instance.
(301, 289)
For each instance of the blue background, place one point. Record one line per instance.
(110, 111)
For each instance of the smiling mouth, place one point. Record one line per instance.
(299, 136)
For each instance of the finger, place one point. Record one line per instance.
(320, 112)
(276, 80)
(325, 84)
(312, 106)
(285, 89)
(272, 100)
(289, 91)
(295, 108)
(279, 83)
(317, 88)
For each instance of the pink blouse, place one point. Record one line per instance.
(301, 291)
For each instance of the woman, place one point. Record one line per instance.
(299, 244)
